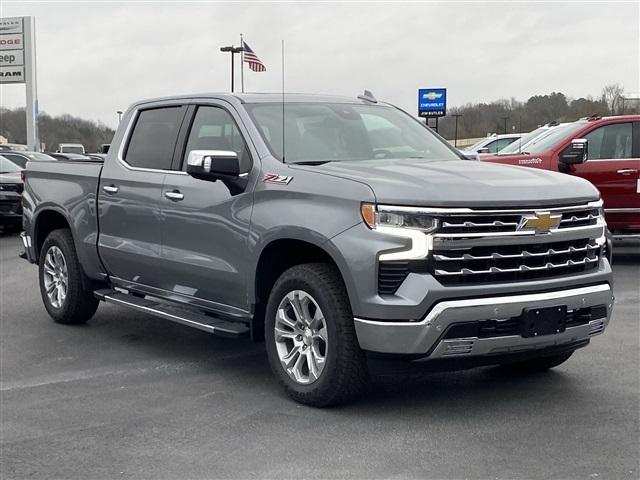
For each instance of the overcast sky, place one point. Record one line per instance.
(96, 58)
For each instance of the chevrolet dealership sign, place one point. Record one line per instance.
(432, 102)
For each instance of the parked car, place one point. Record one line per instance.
(522, 142)
(71, 148)
(10, 193)
(4, 147)
(362, 233)
(603, 150)
(21, 158)
(74, 157)
(491, 144)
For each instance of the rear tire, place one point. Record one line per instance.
(539, 364)
(62, 281)
(326, 365)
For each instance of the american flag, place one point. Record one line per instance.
(252, 59)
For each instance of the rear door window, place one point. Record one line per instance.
(154, 137)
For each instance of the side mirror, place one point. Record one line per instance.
(484, 150)
(575, 153)
(213, 164)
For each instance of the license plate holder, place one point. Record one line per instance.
(535, 322)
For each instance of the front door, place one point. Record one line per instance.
(206, 223)
(613, 166)
(129, 195)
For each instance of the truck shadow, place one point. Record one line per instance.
(244, 367)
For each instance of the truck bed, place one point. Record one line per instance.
(70, 188)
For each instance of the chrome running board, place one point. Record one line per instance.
(183, 315)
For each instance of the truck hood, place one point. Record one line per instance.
(461, 183)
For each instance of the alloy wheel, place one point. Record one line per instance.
(56, 276)
(301, 337)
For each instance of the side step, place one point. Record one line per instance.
(175, 313)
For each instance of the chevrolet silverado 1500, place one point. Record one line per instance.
(335, 229)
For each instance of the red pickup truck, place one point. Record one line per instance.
(603, 150)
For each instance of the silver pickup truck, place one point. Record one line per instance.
(335, 229)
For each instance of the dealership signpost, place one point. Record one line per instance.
(18, 65)
(432, 102)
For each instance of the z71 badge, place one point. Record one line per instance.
(278, 179)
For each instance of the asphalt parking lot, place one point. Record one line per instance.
(131, 396)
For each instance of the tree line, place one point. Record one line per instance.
(474, 120)
(482, 119)
(55, 130)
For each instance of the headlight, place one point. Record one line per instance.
(401, 222)
(397, 217)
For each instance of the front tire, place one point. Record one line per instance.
(310, 337)
(61, 281)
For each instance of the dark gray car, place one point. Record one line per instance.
(336, 229)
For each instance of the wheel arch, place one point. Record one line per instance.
(281, 253)
(46, 221)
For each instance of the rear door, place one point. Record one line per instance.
(613, 166)
(206, 223)
(130, 191)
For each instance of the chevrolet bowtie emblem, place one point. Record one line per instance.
(540, 222)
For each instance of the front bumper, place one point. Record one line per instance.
(426, 337)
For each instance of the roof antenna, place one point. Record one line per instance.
(367, 96)
(283, 157)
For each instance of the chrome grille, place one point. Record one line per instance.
(11, 187)
(475, 246)
(465, 222)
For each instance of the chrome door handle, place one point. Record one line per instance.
(627, 171)
(110, 188)
(174, 195)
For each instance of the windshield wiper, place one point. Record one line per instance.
(312, 162)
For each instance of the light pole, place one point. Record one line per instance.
(119, 115)
(233, 50)
(455, 138)
(504, 119)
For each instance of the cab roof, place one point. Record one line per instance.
(264, 98)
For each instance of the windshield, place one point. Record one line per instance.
(7, 166)
(318, 132)
(551, 138)
(516, 146)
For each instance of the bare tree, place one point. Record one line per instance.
(612, 96)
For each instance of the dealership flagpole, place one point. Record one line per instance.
(242, 64)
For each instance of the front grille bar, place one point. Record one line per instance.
(524, 254)
(521, 268)
(496, 223)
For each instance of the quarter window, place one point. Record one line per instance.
(213, 128)
(154, 138)
(610, 142)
